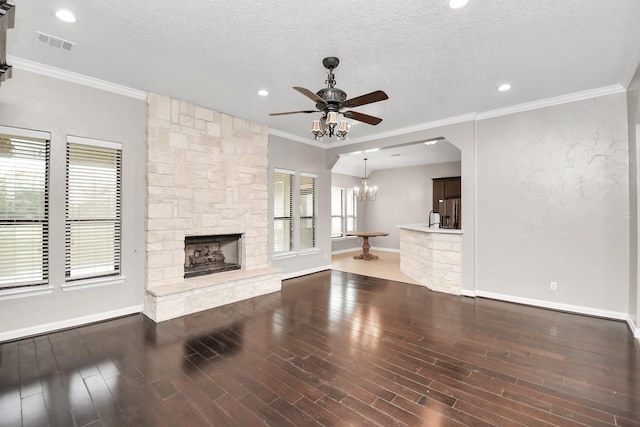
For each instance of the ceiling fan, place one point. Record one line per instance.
(331, 100)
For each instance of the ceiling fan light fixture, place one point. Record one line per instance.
(331, 100)
(343, 130)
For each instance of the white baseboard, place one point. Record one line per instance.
(375, 248)
(68, 323)
(305, 272)
(554, 305)
(634, 328)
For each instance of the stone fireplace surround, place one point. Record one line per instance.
(206, 174)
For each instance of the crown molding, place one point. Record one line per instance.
(58, 73)
(390, 134)
(549, 102)
(417, 128)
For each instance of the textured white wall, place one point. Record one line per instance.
(553, 204)
(34, 101)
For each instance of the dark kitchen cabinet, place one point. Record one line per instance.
(446, 188)
(447, 201)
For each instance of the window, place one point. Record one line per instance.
(24, 207)
(307, 211)
(282, 211)
(343, 211)
(93, 211)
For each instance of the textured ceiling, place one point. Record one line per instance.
(432, 61)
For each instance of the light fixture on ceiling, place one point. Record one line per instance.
(457, 4)
(431, 142)
(327, 126)
(504, 87)
(65, 15)
(263, 92)
(331, 100)
(369, 192)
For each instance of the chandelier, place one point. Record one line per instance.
(368, 193)
(327, 126)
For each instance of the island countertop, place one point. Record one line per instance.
(426, 229)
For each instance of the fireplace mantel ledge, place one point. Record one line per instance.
(227, 277)
(204, 292)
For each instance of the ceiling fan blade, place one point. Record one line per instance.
(362, 117)
(376, 96)
(312, 96)
(293, 112)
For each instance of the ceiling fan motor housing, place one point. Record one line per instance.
(332, 95)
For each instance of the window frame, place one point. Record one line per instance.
(291, 176)
(42, 172)
(302, 244)
(345, 215)
(96, 278)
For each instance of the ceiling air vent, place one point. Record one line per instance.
(54, 41)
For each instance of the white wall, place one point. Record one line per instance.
(405, 196)
(33, 101)
(553, 205)
(299, 157)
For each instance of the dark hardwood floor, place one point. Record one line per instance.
(331, 348)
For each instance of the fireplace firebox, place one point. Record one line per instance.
(212, 254)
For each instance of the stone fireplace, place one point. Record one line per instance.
(206, 176)
(212, 254)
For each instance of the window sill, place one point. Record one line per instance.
(26, 291)
(309, 251)
(282, 255)
(93, 283)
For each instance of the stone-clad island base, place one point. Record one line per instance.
(432, 257)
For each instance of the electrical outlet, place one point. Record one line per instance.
(553, 286)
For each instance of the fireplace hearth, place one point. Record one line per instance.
(212, 254)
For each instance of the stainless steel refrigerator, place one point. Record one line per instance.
(450, 213)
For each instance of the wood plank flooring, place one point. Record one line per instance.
(330, 349)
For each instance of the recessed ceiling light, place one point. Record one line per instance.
(431, 142)
(504, 87)
(457, 4)
(263, 92)
(65, 15)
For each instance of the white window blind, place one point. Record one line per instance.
(24, 207)
(336, 211)
(343, 211)
(93, 208)
(282, 211)
(307, 211)
(351, 210)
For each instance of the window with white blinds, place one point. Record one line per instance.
(282, 211)
(93, 208)
(343, 211)
(307, 211)
(24, 207)
(337, 208)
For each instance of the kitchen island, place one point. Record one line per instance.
(432, 256)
